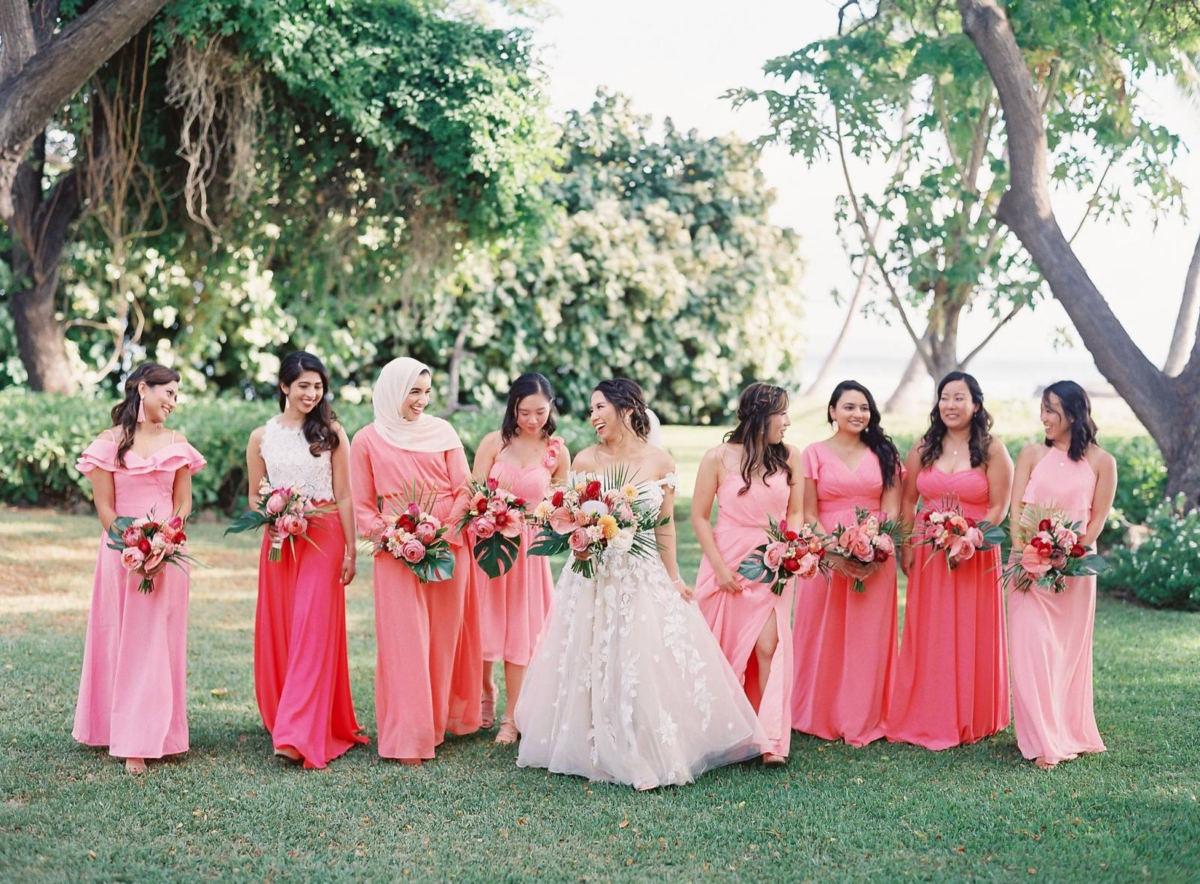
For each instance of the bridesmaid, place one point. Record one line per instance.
(845, 641)
(427, 672)
(525, 457)
(1050, 634)
(952, 678)
(301, 676)
(133, 684)
(753, 475)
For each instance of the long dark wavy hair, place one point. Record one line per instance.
(981, 424)
(626, 396)
(757, 405)
(529, 384)
(873, 436)
(318, 423)
(1077, 408)
(125, 413)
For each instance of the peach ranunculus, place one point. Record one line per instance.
(1034, 562)
(579, 540)
(808, 566)
(961, 549)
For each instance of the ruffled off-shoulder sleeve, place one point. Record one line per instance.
(178, 455)
(100, 455)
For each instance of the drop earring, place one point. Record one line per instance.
(141, 419)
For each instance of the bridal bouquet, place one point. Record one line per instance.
(285, 509)
(594, 515)
(787, 553)
(414, 536)
(496, 517)
(860, 548)
(1050, 552)
(959, 537)
(146, 544)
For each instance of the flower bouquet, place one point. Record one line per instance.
(786, 554)
(859, 549)
(593, 515)
(496, 517)
(285, 509)
(414, 536)
(146, 544)
(1049, 551)
(959, 537)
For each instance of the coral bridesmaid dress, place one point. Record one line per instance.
(514, 605)
(845, 641)
(429, 656)
(301, 675)
(952, 678)
(133, 685)
(737, 619)
(1050, 634)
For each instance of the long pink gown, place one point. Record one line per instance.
(845, 641)
(301, 675)
(429, 653)
(514, 605)
(952, 679)
(737, 619)
(1050, 634)
(133, 684)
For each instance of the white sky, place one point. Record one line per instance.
(677, 58)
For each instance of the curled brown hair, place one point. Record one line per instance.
(627, 397)
(757, 405)
(125, 414)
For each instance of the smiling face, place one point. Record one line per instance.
(158, 401)
(305, 392)
(608, 423)
(532, 413)
(1056, 424)
(955, 405)
(777, 426)
(851, 413)
(417, 398)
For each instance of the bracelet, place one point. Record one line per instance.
(679, 581)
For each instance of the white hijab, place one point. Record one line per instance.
(426, 433)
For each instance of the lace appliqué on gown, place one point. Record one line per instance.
(628, 684)
(289, 461)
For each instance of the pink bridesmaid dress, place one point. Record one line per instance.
(952, 679)
(514, 605)
(133, 684)
(301, 674)
(429, 653)
(1050, 634)
(845, 641)
(737, 619)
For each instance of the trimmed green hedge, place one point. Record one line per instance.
(42, 435)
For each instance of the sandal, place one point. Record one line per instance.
(508, 733)
(487, 709)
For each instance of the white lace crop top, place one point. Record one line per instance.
(289, 462)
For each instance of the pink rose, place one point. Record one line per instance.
(131, 558)
(774, 554)
(412, 551)
(276, 503)
(975, 537)
(862, 549)
(961, 549)
(579, 540)
(484, 527)
(299, 526)
(885, 543)
(808, 566)
(561, 521)
(426, 533)
(1033, 562)
(283, 523)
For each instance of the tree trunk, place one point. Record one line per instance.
(911, 385)
(454, 370)
(40, 337)
(1185, 323)
(1168, 407)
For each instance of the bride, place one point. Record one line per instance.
(627, 684)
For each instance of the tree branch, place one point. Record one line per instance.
(1185, 322)
(37, 86)
(1026, 210)
(995, 331)
(1091, 204)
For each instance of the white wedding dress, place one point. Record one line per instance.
(628, 684)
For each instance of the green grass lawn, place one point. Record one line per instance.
(230, 810)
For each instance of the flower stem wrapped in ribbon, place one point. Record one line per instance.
(1048, 551)
(496, 518)
(285, 509)
(415, 537)
(958, 537)
(147, 545)
(787, 553)
(593, 515)
(858, 549)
